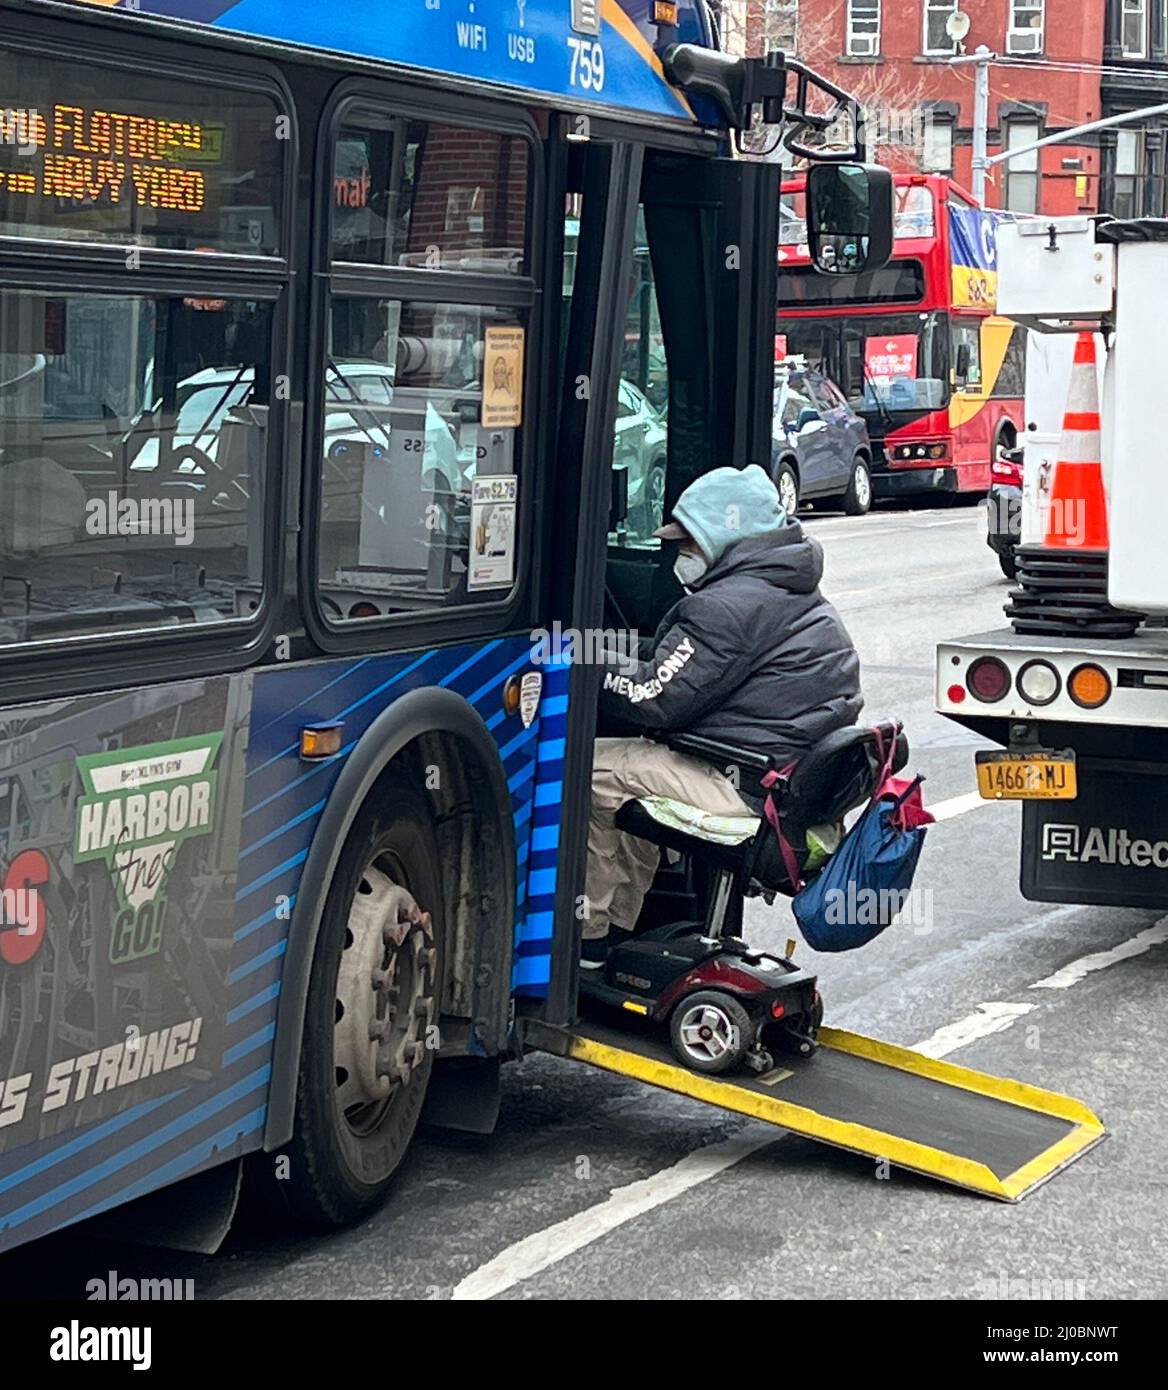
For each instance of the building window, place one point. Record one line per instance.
(863, 28)
(937, 150)
(1134, 37)
(1129, 168)
(937, 13)
(1027, 22)
(1022, 173)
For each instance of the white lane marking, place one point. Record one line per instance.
(1079, 969)
(958, 805)
(547, 1247)
(991, 1017)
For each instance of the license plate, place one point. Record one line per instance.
(1026, 776)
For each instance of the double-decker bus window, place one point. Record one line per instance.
(88, 155)
(967, 336)
(132, 437)
(429, 196)
(898, 282)
(1011, 379)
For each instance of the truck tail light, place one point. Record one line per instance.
(1089, 686)
(988, 679)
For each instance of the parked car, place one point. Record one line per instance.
(1004, 508)
(639, 444)
(820, 446)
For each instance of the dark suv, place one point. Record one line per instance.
(819, 445)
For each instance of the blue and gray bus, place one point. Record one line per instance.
(348, 358)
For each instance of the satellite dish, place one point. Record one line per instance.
(957, 25)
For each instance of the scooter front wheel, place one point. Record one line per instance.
(711, 1032)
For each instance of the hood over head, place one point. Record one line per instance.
(728, 505)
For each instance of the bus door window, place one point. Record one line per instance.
(422, 394)
(966, 354)
(641, 430)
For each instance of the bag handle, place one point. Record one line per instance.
(771, 810)
(886, 761)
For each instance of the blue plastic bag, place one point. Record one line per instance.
(864, 884)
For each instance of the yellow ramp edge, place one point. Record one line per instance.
(844, 1134)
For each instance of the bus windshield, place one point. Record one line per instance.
(882, 362)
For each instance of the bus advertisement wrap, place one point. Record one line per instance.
(973, 248)
(124, 996)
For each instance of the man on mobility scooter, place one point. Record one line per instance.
(751, 671)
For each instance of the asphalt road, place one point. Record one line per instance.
(594, 1186)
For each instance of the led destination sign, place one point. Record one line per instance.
(89, 155)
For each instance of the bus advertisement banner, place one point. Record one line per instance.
(973, 249)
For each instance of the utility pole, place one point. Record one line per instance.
(981, 58)
(981, 118)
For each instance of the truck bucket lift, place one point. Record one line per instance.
(995, 1136)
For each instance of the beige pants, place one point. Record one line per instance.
(620, 866)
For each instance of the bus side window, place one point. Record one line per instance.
(1011, 382)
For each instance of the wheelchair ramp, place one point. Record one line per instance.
(989, 1134)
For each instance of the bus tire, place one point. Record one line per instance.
(377, 970)
(858, 498)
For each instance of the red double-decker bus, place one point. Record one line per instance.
(915, 346)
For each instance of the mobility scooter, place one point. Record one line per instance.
(725, 1003)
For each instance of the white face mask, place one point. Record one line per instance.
(689, 568)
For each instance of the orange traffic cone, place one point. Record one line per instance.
(1077, 507)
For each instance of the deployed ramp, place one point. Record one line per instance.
(986, 1133)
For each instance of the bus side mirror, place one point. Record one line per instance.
(849, 217)
(961, 370)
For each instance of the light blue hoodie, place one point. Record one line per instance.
(728, 505)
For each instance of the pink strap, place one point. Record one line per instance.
(771, 811)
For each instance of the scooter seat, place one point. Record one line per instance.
(635, 818)
(826, 782)
(706, 825)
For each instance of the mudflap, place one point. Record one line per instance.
(193, 1215)
(988, 1134)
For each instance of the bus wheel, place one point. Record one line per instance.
(858, 497)
(375, 992)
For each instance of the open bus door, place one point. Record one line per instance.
(673, 294)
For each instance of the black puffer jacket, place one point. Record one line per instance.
(755, 656)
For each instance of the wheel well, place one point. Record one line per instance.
(1007, 434)
(792, 463)
(476, 863)
(865, 455)
(444, 743)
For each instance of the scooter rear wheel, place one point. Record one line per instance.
(711, 1032)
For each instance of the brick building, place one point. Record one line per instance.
(1062, 64)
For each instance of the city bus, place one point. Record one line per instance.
(311, 368)
(916, 345)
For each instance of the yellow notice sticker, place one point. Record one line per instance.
(503, 378)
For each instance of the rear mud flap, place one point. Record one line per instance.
(988, 1134)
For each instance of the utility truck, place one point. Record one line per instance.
(1075, 690)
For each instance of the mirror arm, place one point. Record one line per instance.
(738, 85)
(802, 119)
